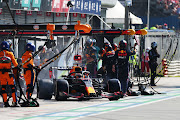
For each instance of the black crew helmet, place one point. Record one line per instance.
(106, 44)
(123, 44)
(109, 48)
(102, 51)
(89, 42)
(154, 45)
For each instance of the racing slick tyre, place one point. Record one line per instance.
(61, 90)
(114, 86)
(45, 89)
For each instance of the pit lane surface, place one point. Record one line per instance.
(159, 106)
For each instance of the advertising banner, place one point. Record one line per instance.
(80, 6)
(26, 3)
(36, 3)
(87, 6)
(60, 6)
(56, 5)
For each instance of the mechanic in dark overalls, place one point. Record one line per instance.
(90, 57)
(121, 59)
(108, 61)
(153, 55)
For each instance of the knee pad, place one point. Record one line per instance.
(13, 88)
(11, 75)
(29, 88)
(3, 89)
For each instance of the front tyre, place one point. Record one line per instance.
(61, 90)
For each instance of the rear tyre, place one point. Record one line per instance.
(114, 86)
(61, 90)
(45, 89)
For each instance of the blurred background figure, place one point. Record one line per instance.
(42, 54)
(165, 26)
(145, 62)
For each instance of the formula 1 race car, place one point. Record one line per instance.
(78, 84)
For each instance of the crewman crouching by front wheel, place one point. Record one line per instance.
(6, 74)
(29, 72)
(121, 59)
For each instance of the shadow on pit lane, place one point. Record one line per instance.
(75, 99)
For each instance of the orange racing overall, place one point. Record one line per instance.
(29, 73)
(6, 75)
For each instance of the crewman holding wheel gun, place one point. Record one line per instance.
(6, 75)
(29, 73)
